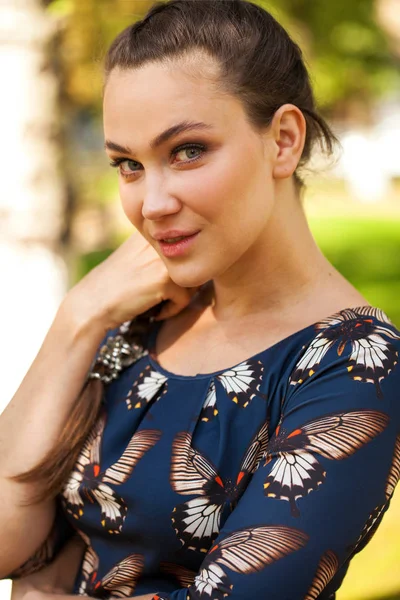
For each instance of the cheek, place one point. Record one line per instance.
(130, 205)
(238, 186)
(218, 189)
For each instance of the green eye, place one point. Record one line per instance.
(193, 152)
(189, 151)
(128, 165)
(188, 148)
(125, 166)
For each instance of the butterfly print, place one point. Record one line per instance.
(245, 551)
(88, 480)
(243, 382)
(335, 436)
(120, 581)
(369, 529)
(377, 514)
(84, 536)
(209, 410)
(394, 472)
(146, 387)
(372, 358)
(327, 567)
(185, 577)
(197, 522)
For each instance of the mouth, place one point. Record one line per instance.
(177, 246)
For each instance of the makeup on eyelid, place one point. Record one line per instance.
(117, 162)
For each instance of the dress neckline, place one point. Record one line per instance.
(155, 326)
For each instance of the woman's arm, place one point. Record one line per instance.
(57, 578)
(56, 581)
(30, 426)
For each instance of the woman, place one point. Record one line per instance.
(245, 441)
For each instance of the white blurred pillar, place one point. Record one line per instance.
(32, 187)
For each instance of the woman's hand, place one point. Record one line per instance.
(58, 577)
(130, 281)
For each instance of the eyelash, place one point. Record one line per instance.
(116, 164)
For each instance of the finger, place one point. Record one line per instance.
(175, 304)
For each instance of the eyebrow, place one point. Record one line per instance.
(162, 137)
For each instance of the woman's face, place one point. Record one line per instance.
(215, 179)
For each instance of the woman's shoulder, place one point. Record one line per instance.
(359, 345)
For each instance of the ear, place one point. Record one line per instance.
(288, 129)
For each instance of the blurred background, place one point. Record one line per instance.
(59, 208)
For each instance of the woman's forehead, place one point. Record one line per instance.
(178, 80)
(155, 97)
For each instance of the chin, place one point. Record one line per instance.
(188, 277)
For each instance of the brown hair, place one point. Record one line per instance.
(259, 64)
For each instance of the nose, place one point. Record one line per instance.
(158, 202)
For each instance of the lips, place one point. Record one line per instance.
(172, 234)
(178, 247)
(175, 239)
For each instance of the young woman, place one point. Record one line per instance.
(214, 410)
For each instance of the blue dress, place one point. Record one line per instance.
(262, 480)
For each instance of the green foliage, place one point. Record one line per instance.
(347, 51)
(61, 8)
(86, 262)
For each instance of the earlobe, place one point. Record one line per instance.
(289, 131)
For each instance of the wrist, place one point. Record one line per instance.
(80, 319)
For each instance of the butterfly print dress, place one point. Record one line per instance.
(259, 480)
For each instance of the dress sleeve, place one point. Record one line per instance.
(323, 484)
(60, 533)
